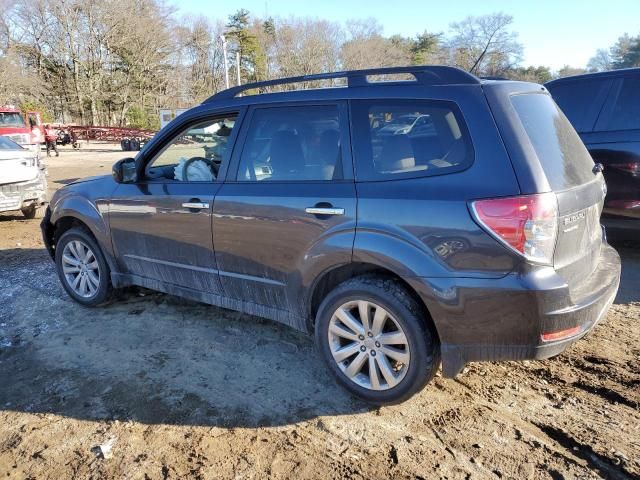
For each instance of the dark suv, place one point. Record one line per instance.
(403, 221)
(605, 110)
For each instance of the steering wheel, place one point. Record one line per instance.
(212, 165)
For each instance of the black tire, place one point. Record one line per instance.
(34, 211)
(422, 340)
(104, 291)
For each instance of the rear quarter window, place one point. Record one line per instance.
(562, 155)
(396, 139)
(625, 112)
(580, 100)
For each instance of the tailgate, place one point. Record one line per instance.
(558, 156)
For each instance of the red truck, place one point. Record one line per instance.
(24, 128)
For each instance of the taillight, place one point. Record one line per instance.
(629, 167)
(527, 224)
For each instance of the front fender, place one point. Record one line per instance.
(92, 215)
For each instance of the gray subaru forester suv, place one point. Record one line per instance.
(441, 218)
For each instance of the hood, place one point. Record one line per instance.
(394, 128)
(17, 166)
(91, 188)
(95, 178)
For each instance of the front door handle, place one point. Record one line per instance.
(195, 205)
(324, 211)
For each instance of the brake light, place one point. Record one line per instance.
(629, 167)
(527, 224)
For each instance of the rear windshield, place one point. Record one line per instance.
(6, 144)
(564, 158)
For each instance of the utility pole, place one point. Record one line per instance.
(226, 65)
(238, 66)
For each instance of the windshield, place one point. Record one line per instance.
(564, 158)
(6, 144)
(11, 119)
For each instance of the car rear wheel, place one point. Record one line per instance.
(373, 337)
(82, 268)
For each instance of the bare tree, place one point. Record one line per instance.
(600, 62)
(569, 71)
(305, 46)
(485, 45)
(117, 62)
(368, 48)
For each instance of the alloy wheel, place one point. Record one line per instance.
(80, 268)
(369, 345)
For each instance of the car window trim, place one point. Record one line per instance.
(345, 142)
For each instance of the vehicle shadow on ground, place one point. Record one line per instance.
(6, 217)
(153, 358)
(158, 359)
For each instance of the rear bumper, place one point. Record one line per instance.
(504, 319)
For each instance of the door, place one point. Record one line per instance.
(161, 225)
(288, 203)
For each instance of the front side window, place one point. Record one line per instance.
(408, 139)
(197, 153)
(292, 144)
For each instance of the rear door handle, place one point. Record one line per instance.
(195, 205)
(324, 211)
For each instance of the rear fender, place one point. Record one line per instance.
(335, 249)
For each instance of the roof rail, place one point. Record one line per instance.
(424, 75)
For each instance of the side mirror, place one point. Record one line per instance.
(124, 171)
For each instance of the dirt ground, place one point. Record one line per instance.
(183, 390)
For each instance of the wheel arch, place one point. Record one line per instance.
(333, 277)
(79, 212)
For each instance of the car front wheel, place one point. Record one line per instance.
(33, 211)
(82, 268)
(373, 337)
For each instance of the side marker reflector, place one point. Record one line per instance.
(560, 334)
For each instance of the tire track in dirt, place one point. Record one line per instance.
(597, 462)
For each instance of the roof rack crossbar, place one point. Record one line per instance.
(424, 75)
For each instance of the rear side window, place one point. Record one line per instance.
(293, 144)
(562, 155)
(626, 110)
(398, 139)
(577, 99)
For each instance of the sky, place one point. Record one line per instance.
(553, 33)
